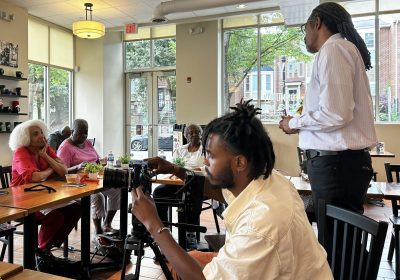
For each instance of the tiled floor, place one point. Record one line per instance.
(149, 270)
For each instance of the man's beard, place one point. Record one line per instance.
(224, 181)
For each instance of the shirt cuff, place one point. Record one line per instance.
(295, 123)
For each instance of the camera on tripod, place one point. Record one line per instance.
(139, 175)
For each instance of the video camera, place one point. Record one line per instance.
(139, 175)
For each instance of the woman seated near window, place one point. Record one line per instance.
(192, 155)
(76, 151)
(35, 161)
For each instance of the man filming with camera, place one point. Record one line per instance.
(267, 232)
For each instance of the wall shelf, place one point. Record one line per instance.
(13, 96)
(13, 114)
(6, 77)
(5, 132)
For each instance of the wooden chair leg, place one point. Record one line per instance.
(216, 220)
(65, 251)
(10, 239)
(391, 248)
(3, 251)
(397, 252)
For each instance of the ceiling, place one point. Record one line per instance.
(116, 13)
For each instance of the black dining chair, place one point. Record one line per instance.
(354, 242)
(6, 230)
(307, 199)
(393, 171)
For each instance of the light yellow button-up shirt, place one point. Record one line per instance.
(268, 236)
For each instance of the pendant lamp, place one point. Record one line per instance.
(89, 29)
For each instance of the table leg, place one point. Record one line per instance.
(29, 241)
(123, 214)
(85, 233)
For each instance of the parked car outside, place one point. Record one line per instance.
(140, 143)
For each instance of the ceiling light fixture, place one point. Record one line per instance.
(88, 29)
(241, 6)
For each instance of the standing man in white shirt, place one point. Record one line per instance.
(336, 128)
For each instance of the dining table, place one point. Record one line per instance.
(20, 198)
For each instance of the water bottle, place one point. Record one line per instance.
(162, 154)
(110, 159)
(191, 240)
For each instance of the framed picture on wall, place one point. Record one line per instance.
(8, 54)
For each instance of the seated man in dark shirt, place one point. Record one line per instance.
(56, 138)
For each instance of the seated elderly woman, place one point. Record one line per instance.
(192, 154)
(35, 161)
(76, 151)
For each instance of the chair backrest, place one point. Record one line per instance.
(302, 160)
(92, 140)
(390, 170)
(5, 176)
(356, 242)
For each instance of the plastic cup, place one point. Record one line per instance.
(72, 178)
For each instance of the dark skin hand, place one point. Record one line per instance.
(161, 166)
(144, 209)
(284, 125)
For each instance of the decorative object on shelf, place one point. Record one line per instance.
(88, 29)
(1, 71)
(1, 126)
(8, 54)
(7, 109)
(2, 88)
(16, 123)
(15, 106)
(8, 126)
(19, 74)
(18, 90)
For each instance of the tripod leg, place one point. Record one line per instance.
(161, 260)
(138, 259)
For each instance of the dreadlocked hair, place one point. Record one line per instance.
(244, 134)
(338, 20)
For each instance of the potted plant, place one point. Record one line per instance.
(93, 169)
(125, 159)
(180, 161)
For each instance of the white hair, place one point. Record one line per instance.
(186, 130)
(20, 136)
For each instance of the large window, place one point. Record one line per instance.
(259, 63)
(50, 74)
(50, 95)
(267, 62)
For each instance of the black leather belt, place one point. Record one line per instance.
(310, 154)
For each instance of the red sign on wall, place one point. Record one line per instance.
(131, 28)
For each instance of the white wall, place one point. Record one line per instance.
(197, 57)
(15, 32)
(113, 78)
(88, 84)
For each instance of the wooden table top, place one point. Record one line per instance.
(9, 269)
(389, 190)
(168, 179)
(374, 191)
(39, 200)
(8, 214)
(373, 153)
(35, 275)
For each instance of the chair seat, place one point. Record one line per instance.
(394, 220)
(6, 229)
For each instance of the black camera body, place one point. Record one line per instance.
(132, 178)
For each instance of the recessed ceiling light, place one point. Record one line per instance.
(241, 6)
